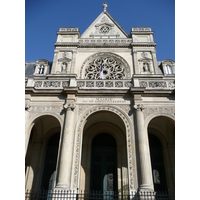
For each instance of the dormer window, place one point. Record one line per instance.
(168, 69)
(41, 69)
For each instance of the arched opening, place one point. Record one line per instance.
(49, 171)
(161, 134)
(104, 164)
(42, 152)
(157, 164)
(104, 139)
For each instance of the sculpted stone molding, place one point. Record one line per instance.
(107, 41)
(126, 108)
(79, 135)
(51, 84)
(160, 110)
(103, 83)
(43, 109)
(157, 84)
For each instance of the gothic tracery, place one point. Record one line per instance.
(112, 68)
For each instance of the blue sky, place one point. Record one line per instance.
(43, 18)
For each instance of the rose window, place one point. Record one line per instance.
(112, 68)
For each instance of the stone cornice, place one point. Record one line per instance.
(143, 44)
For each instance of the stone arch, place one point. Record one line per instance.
(32, 121)
(154, 115)
(45, 125)
(79, 139)
(116, 57)
(162, 126)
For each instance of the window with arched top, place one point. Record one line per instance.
(168, 69)
(41, 69)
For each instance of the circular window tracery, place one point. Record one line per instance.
(113, 67)
(104, 29)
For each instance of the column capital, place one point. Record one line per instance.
(69, 106)
(139, 107)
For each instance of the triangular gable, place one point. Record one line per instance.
(104, 26)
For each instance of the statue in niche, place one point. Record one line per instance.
(145, 68)
(64, 67)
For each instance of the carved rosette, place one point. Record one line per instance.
(79, 134)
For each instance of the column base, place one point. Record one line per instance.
(146, 187)
(62, 186)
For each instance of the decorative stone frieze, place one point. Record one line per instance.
(154, 84)
(51, 84)
(65, 84)
(43, 109)
(157, 84)
(141, 29)
(107, 41)
(69, 29)
(159, 110)
(104, 84)
(38, 84)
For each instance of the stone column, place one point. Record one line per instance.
(65, 164)
(146, 181)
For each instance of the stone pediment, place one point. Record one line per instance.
(104, 26)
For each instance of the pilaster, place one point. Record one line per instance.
(135, 62)
(155, 64)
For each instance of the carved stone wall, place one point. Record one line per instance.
(170, 110)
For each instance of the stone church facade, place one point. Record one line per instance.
(101, 116)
